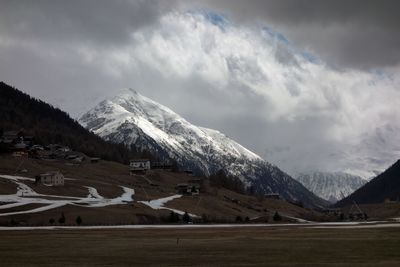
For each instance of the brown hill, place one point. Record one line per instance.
(211, 205)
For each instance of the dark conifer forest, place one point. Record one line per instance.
(50, 125)
(386, 186)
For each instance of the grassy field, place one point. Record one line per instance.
(202, 247)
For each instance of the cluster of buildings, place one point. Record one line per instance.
(16, 142)
(143, 165)
(21, 145)
(191, 187)
(140, 166)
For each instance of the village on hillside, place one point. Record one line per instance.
(23, 146)
(23, 149)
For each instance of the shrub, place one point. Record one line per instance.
(277, 216)
(186, 217)
(78, 220)
(61, 220)
(173, 217)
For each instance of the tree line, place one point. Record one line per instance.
(50, 125)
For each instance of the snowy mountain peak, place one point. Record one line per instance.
(159, 123)
(131, 118)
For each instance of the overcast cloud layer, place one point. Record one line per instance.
(352, 33)
(305, 85)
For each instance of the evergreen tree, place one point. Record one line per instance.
(61, 220)
(78, 220)
(186, 217)
(220, 179)
(173, 217)
(239, 219)
(277, 217)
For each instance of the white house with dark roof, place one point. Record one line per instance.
(139, 165)
(54, 178)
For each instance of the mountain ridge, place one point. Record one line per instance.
(331, 186)
(131, 118)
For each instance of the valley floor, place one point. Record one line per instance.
(256, 246)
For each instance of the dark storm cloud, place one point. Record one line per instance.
(354, 33)
(293, 12)
(223, 73)
(55, 49)
(96, 21)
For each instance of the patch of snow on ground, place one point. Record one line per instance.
(127, 195)
(24, 190)
(158, 204)
(16, 178)
(93, 193)
(26, 195)
(300, 220)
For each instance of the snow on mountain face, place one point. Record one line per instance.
(131, 118)
(331, 186)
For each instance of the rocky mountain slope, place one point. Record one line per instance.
(131, 118)
(330, 185)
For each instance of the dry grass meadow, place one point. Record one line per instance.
(202, 247)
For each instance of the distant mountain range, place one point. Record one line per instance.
(331, 186)
(384, 186)
(131, 118)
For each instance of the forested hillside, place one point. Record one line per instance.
(385, 186)
(49, 125)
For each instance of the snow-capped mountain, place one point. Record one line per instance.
(131, 118)
(331, 186)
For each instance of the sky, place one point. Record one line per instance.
(308, 85)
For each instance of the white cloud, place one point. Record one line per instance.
(255, 73)
(248, 82)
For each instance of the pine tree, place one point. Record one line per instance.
(61, 220)
(186, 217)
(78, 220)
(277, 216)
(173, 217)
